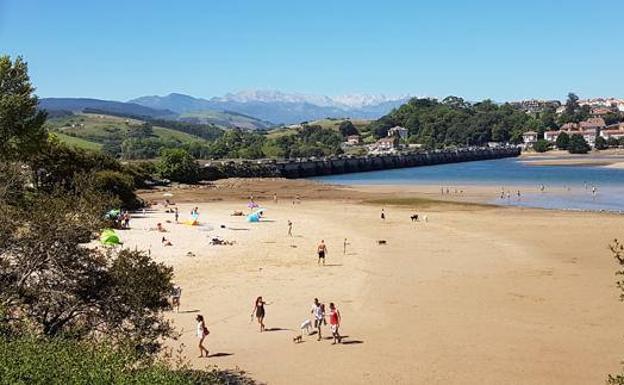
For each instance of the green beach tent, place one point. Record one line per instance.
(109, 238)
(112, 214)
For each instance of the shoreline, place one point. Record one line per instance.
(456, 299)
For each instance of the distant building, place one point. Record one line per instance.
(570, 127)
(551, 136)
(398, 131)
(613, 131)
(353, 140)
(529, 138)
(387, 144)
(600, 111)
(592, 124)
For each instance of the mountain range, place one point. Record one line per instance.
(257, 109)
(279, 107)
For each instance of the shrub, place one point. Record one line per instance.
(563, 141)
(57, 361)
(178, 165)
(120, 185)
(578, 145)
(601, 143)
(541, 146)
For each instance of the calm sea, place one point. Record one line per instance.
(565, 187)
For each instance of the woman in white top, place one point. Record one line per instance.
(202, 332)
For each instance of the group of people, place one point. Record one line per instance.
(318, 313)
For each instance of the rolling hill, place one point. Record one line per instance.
(80, 104)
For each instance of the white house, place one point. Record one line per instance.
(398, 131)
(529, 138)
(613, 131)
(387, 144)
(353, 140)
(551, 136)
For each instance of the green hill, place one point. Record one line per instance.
(225, 119)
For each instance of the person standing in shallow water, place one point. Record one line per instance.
(202, 332)
(260, 312)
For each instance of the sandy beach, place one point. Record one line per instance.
(477, 295)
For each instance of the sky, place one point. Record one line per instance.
(502, 50)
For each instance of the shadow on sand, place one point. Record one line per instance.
(220, 355)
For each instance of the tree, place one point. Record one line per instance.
(617, 250)
(21, 124)
(601, 143)
(563, 141)
(612, 142)
(51, 284)
(541, 145)
(347, 128)
(178, 165)
(578, 145)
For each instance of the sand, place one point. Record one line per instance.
(478, 295)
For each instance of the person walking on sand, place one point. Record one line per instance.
(177, 214)
(322, 251)
(259, 312)
(290, 225)
(334, 323)
(319, 316)
(383, 215)
(275, 198)
(344, 246)
(202, 332)
(176, 293)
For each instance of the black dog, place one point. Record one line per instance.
(414, 218)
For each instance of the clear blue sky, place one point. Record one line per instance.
(502, 50)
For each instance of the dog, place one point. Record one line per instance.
(414, 218)
(307, 326)
(381, 242)
(298, 339)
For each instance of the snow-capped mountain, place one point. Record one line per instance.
(280, 107)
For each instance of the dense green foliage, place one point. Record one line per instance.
(578, 145)
(55, 361)
(541, 145)
(573, 112)
(178, 165)
(454, 121)
(601, 143)
(347, 128)
(21, 125)
(563, 141)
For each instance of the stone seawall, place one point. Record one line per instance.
(342, 165)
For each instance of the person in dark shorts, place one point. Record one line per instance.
(322, 251)
(383, 215)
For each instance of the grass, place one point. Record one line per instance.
(77, 142)
(91, 130)
(226, 119)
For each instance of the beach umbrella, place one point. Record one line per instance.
(114, 213)
(109, 238)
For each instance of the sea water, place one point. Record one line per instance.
(564, 187)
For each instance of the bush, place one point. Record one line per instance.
(612, 142)
(178, 165)
(601, 143)
(563, 141)
(541, 146)
(119, 185)
(578, 145)
(56, 361)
